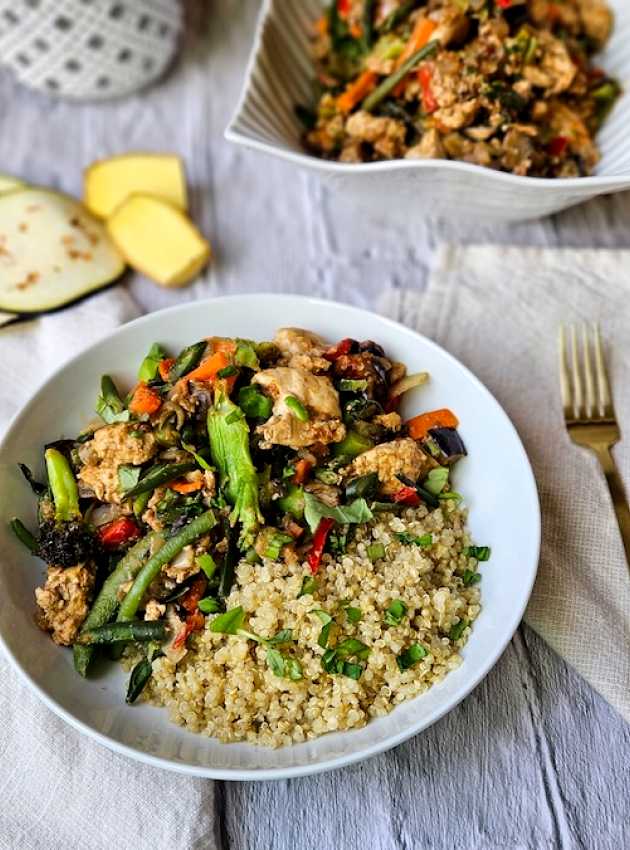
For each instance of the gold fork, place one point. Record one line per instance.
(589, 413)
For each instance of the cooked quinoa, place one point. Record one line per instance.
(223, 687)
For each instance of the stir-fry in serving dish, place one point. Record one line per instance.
(258, 537)
(507, 84)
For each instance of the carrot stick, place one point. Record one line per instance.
(181, 485)
(144, 400)
(356, 91)
(207, 370)
(420, 36)
(420, 426)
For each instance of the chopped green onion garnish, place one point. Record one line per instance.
(327, 620)
(480, 553)
(457, 630)
(375, 551)
(209, 605)
(352, 671)
(207, 563)
(309, 586)
(297, 408)
(470, 577)
(354, 615)
(395, 612)
(436, 480)
(411, 540)
(410, 657)
(351, 386)
(275, 543)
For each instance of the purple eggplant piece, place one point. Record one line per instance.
(446, 445)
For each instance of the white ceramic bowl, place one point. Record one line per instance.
(496, 479)
(280, 75)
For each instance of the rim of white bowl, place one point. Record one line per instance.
(236, 136)
(235, 774)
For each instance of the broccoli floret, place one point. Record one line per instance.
(66, 544)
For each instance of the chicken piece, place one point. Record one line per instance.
(154, 610)
(63, 602)
(286, 430)
(386, 135)
(391, 421)
(457, 116)
(183, 566)
(399, 457)
(112, 446)
(555, 71)
(302, 349)
(518, 152)
(564, 122)
(452, 25)
(316, 392)
(429, 147)
(597, 20)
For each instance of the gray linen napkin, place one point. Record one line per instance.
(498, 309)
(57, 787)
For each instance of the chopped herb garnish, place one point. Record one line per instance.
(283, 636)
(457, 630)
(375, 551)
(326, 620)
(309, 586)
(207, 564)
(480, 553)
(275, 542)
(149, 366)
(209, 605)
(109, 405)
(410, 656)
(412, 540)
(352, 671)
(128, 477)
(354, 615)
(335, 660)
(471, 577)
(395, 612)
(229, 623)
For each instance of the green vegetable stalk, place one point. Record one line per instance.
(63, 486)
(159, 474)
(229, 444)
(390, 83)
(191, 532)
(106, 602)
(139, 630)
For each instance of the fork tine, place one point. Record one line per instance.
(605, 399)
(591, 401)
(565, 383)
(578, 392)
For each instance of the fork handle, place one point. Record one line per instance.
(618, 495)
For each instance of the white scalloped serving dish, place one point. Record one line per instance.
(280, 74)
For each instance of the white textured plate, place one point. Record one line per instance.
(496, 479)
(280, 75)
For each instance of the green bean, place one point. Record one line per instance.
(390, 83)
(24, 535)
(63, 486)
(140, 503)
(368, 23)
(187, 360)
(106, 602)
(159, 474)
(200, 525)
(129, 630)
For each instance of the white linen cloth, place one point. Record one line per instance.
(498, 310)
(59, 788)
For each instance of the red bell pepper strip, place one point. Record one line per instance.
(195, 593)
(319, 541)
(194, 623)
(407, 496)
(119, 531)
(425, 75)
(343, 8)
(504, 4)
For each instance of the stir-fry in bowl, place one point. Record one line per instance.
(255, 533)
(507, 84)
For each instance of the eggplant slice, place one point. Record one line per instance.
(52, 252)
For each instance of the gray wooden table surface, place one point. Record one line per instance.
(533, 759)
